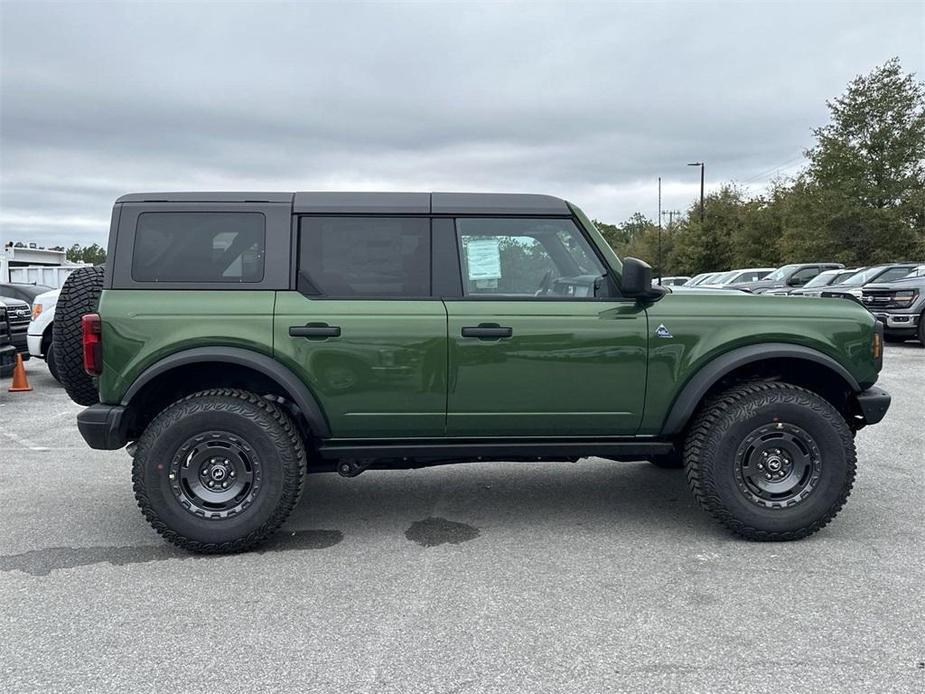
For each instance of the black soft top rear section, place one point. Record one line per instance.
(377, 203)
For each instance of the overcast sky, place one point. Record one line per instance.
(589, 101)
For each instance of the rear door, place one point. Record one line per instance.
(539, 343)
(363, 329)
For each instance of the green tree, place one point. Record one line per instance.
(861, 196)
(93, 254)
(709, 245)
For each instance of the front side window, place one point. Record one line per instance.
(201, 247)
(527, 257)
(801, 277)
(344, 257)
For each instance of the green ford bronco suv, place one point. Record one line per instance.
(236, 341)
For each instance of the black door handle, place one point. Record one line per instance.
(314, 331)
(488, 331)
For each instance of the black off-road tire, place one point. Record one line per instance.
(79, 296)
(723, 429)
(256, 425)
(52, 364)
(668, 461)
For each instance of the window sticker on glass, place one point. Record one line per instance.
(483, 258)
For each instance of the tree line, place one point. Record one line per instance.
(859, 199)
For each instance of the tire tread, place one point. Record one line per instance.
(716, 415)
(288, 443)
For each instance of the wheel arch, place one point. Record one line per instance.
(798, 364)
(188, 371)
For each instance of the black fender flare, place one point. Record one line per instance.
(299, 393)
(692, 393)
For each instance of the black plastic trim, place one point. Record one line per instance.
(498, 449)
(692, 393)
(104, 427)
(873, 403)
(288, 381)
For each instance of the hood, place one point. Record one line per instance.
(703, 290)
(908, 283)
(47, 299)
(760, 284)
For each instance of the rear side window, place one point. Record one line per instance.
(364, 256)
(202, 247)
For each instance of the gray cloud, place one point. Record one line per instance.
(590, 101)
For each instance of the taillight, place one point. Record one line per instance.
(92, 328)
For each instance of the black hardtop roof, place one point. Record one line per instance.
(379, 203)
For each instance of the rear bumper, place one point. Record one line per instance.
(104, 427)
(873, 403)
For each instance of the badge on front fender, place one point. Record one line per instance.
(662, 331)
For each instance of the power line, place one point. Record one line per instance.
(774, 168)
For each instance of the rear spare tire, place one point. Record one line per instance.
(79, 296)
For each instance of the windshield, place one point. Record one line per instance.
(822, 279)
(782, 272)
(705, 279)
(869, 274)
(723, 277)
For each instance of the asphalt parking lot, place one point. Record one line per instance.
(594, 576)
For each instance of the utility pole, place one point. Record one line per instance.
(671, 215)
(659, 230)
(700, 164)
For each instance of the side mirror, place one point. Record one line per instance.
(637, 280)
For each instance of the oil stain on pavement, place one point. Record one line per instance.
(432, 532)
(41, 562)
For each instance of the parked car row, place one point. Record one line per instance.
(893, 292)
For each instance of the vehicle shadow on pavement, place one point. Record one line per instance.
(502, 497)
(444, 505)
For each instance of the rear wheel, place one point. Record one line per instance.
(219, 471)
(79, 296)
(770, 461)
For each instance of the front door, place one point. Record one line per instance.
(362, 330)
(537, 345)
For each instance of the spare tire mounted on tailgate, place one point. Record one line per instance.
(79, 295)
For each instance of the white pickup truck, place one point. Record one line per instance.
(39, 335)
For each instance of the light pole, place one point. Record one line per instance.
(700, 164)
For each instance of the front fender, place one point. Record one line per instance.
(693, 392)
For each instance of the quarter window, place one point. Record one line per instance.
(202, 247)
(527, 257)
(364, 256)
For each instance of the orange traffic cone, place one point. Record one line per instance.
(20, 382)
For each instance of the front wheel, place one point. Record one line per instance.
(219, 471)
(770, 461)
